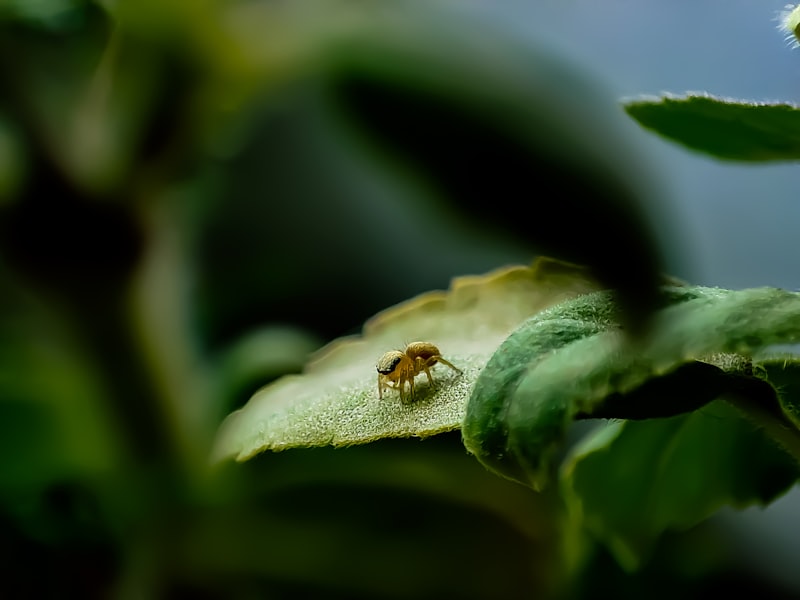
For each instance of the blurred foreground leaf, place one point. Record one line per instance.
(57, 437)
(398, 517)
(477, 116)
(724, 128)
(336, 400)
(260, 357)
(52, 423)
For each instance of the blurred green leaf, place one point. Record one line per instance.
(336, 400)
(724, 128)
(398, 518)
(58, 444)
(93, 113)
(570, 361)
(14, 163)
(631, 481)
(53, 15)
(53, 422)
(262, 356)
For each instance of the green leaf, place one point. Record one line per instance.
(631, 481)
(55, 426)
(57, 435)
(724, 128)
(335, 401)
(571, 362)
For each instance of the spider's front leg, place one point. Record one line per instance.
(385, 383)
(408, 376)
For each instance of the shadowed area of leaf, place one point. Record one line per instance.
(630, 481)
(335, 401)
(724, 128)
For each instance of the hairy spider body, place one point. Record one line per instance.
(396, 368)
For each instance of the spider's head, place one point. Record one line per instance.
(389, 362)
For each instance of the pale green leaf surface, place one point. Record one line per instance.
(335, 401)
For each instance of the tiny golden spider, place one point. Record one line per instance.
(395, 368)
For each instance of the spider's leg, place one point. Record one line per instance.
(424, 365)
(449, 364)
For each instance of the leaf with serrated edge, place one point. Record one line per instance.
(335, 401)
(723, 127)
